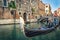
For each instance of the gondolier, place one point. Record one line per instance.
(21, 23)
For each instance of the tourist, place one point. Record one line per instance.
(56, 21)
(50, 23)
(22, 23)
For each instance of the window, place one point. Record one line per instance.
(36, 17)
(12, 12)
(22, 1)
(19, 13)
(19, 0)
(5, 3)
(32, 0)
(46, 11)
(19, 5)
(46, 6)
(0, 3)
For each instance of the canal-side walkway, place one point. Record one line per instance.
(12, 21)
(9, 21)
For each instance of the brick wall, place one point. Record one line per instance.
(41, 8)
(6, 14)
(1, 11)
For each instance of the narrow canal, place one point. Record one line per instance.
(13, 32)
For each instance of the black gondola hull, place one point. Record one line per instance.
(32, 33)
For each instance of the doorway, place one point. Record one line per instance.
(25, 16)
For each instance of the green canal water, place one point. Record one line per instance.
(13, 32)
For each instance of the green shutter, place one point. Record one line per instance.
(12, 4)
(33, 10)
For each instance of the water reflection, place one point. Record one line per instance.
(33, 25)
(7, 32)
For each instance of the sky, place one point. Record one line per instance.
(55, 4)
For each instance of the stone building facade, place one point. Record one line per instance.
(23, 8)
(57, 12)
(48, 10)
(1, 11)
(41, 8)
(5, 12)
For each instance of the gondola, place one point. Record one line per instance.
(39, 31)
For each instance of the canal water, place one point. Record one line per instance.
(13, 32)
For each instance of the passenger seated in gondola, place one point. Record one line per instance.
(22, 23)
(50, 23)
(56, 21)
